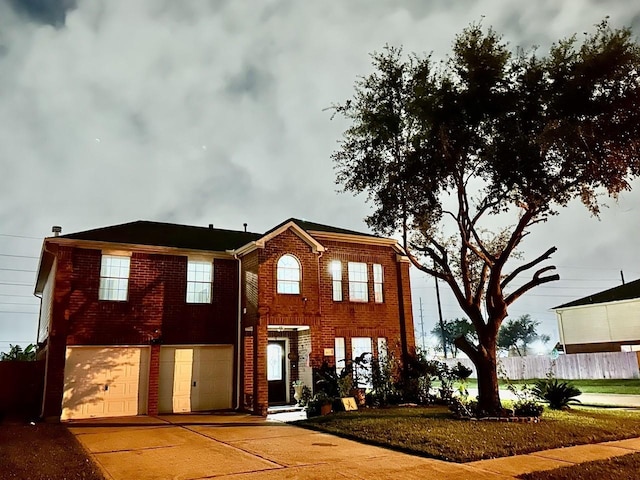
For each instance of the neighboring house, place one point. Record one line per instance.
(607, 321)
(148, 318)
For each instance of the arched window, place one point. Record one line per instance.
(288, 275)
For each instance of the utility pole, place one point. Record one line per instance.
(622, 276)
(442, 331)
(422, 327)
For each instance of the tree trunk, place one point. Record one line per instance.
(488, 392)
(485, 360)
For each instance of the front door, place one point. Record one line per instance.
(277, 371)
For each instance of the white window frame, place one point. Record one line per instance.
(335, 268)
(378, 280)
(340, 354)
(288, 277)
(114, 278)
(199, 281)
(360, 345)
(358, 282)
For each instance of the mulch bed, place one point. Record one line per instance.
(39, 451)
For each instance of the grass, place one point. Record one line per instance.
(43, 451)
(626, 466)
(619, 386)
(432, 432)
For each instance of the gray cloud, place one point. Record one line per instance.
(48, 12)
(105, 120)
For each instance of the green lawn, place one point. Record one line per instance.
(432, 432)
(617, 468)
(622, 386)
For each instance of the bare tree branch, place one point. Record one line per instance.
(537, 280)
(546, 255)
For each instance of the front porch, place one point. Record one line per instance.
(272, 359)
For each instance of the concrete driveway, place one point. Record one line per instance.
(242, 446)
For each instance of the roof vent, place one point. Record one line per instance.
(57, 230)
(245, 226)
(211, 226)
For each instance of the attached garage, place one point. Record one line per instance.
(105, 382)
(195, 378)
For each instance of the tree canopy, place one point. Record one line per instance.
(453, 328)
(16, 353)
(516, 335)
(447, 150)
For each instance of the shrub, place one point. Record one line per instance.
(460, 372)
(306, 396)
(558, 394)
(527, 408)
(316, 402)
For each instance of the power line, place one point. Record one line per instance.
(19, 236)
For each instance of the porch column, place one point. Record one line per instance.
(260, 384)
(154, 377)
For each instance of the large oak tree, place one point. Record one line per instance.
(446, 150)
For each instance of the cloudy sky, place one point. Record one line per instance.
(201, 112)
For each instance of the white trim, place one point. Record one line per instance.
(135, 247)
(361, 239)
(599, 304)
(260, 243)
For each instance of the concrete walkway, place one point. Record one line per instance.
(238, 446)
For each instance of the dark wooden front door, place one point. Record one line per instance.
(277, 371)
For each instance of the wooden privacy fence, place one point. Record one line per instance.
(21, 387)
(572, 366)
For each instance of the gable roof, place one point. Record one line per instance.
(143, 232)
(318, 227)
(627, 291)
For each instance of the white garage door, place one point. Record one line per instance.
(105, 382)
(195, 378)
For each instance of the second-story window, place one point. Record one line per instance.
(288, 275)
(336, 279)
(377, 283)
(199, 281)
(114, 278)
(358, 282)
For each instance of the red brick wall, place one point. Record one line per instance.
(156, 309)
(315, 306)
(156, 306)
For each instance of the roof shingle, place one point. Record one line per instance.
(627, 291)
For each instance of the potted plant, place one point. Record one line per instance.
(298, 386)
(320, 404)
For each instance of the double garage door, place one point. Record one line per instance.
(114, 381)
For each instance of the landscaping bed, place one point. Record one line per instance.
(42, 451)
(432, 432)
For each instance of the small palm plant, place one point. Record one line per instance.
(558, 394)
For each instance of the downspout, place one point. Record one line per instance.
(319, 287)
(239, 342)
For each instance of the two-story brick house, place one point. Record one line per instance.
(148, 318)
